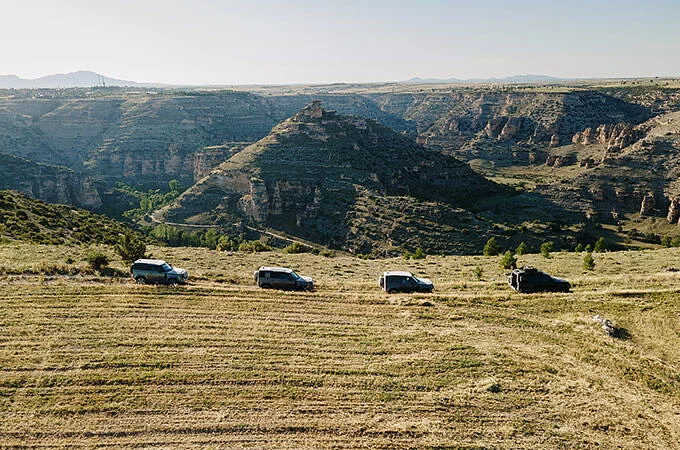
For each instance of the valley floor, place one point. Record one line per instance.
(90, 362)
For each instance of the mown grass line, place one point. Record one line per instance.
(97, 364)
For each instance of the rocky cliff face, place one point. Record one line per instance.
(307, 175)
(450, 121)
(50, 183)
(614, 137)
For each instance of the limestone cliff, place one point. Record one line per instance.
(50, 183)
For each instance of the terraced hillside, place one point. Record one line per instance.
(311, 173)
(84, 362)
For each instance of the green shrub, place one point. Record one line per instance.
(479, 272)
(327, 253)
(521, 249)
(228, 244)
(97, 260)
(600, 245)
(210, 238)
(546, 248)
(508, 261)
(407, 255)
(491, 247)
(675, 242)
(130, 247)
(296, 247)
(419, 254)
(666, 241)
(579, 248)
(254, 247)
(588, 262)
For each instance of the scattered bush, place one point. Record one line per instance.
(675, 242)
(579, 248)
(588, 262)
(97, 260)
(419, 254)
(491, 247)
(479, 272)
(328, 253)
(210, 238)
(508, 261)
(130, 247)
(666, 241)
(546, 248)
(600, 245)
(296, 247)
(521, 249)
(254, 247)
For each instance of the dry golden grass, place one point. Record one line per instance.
(220, 363)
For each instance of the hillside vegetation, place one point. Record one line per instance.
(26, 219)
(221, 363)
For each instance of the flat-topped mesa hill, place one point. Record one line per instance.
(330, 179)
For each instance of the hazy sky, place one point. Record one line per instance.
(266, 41)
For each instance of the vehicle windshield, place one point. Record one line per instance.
(295, 276)
(166, 267)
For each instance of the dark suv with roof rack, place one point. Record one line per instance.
(282, 278)
(529, 279)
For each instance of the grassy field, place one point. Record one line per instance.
(92, 361)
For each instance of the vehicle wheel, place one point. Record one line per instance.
(172, 282)
(392, 291)
(140, 280)
(266, 286)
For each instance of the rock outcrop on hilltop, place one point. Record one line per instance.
(308, 176)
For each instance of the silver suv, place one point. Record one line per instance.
(156, 271)
(282, 278)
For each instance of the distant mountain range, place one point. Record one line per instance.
(513, 79)
(82, 78)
